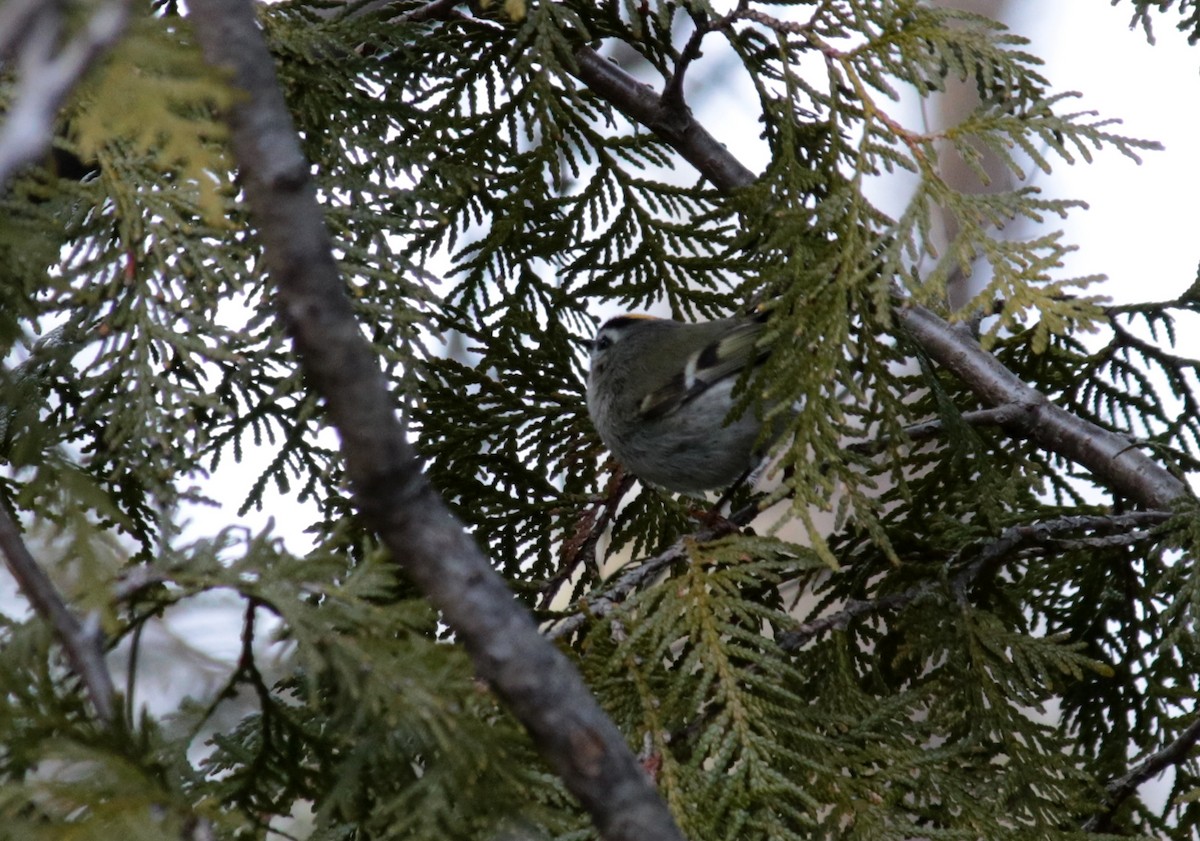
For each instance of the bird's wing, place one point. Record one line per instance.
(735, 350)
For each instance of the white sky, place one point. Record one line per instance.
(1141, 228)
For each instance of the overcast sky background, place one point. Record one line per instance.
(1141, 227)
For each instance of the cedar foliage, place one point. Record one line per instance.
(1015, 645)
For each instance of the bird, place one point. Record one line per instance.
(660, 395)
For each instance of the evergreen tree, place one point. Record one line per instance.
(229, 226)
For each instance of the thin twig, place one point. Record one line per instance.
(992, 553)
(580, 549)
(438, 9)
(995, 416)
(599, 605)
(790, 27)
(83, 643)
(1001, 416)
(1122, 787)
(672, 95)
(244, 671)
(641, 104)
(135, 654)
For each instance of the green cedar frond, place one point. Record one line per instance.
(1190, 11)
(155, 95)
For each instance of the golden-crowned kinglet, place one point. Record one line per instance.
(660, 393)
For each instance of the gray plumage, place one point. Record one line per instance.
(659, 392)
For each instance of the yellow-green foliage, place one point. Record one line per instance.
(154, 99)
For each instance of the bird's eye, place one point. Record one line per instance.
(601, 343)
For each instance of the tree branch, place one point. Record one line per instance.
(1112, 458)
(997, 416)
(672, 95)
(924, 430)
(580, 548)
(84, 645)
(1121, 788)
(989, 555)
(534, 678)
(599, 605)
(431, 11)
(641, 104)
(47, 72)
(16, 16)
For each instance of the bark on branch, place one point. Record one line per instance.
(537, 682)
(982, 559)
(1113, 459)
(1120, 789)
(674, 123)
(84, 645)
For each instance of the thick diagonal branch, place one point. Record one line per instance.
(534, 678)
(1113, 459)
